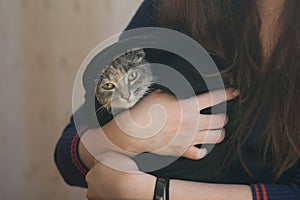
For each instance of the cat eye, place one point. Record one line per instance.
(108, 86)
(132, 76)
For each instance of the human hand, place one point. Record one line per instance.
(107, 183)
(162, 124)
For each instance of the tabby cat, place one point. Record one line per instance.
(124, 81)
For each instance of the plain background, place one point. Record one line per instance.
(42, 44)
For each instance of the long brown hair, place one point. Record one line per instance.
(230, 30)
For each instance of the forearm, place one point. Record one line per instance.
(121, 139)
(198, 191)
(107, 138)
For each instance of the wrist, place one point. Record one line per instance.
(142, 188)
(121, 139)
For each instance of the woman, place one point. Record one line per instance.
(256, 45)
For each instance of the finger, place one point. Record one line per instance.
(217, 121)
(209, 137)
(87, 177)
(89, 195)
(195, 153)
(216, 97)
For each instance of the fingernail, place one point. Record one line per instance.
(202, 153)
(235, 92)
(221, 136)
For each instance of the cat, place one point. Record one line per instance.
(124, 81)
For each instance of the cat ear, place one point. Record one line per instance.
(139, 55)
(140, 52)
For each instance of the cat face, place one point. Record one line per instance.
(125, 81)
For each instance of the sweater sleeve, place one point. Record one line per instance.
(67, 158)
(66, 155)
(290, 191)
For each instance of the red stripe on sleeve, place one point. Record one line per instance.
(264, 191)
(74, 155)
(257, 192)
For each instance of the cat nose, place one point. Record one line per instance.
(127, 96)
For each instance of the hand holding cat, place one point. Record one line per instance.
(162, 124)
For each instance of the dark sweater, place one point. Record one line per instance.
(208, 169)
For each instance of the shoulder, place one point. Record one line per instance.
(146, 15)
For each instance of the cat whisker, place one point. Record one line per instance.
(100, 108)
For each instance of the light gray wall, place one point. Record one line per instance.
(42, 44)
